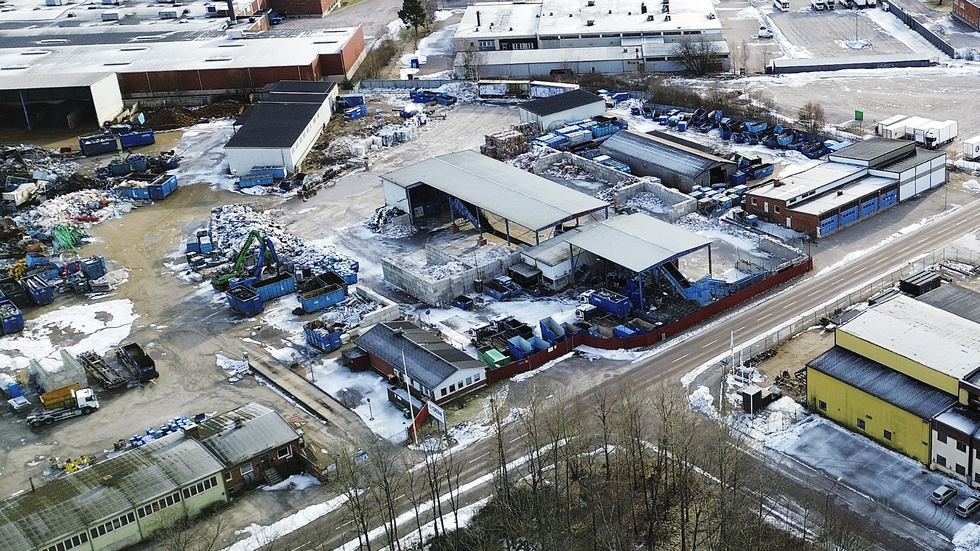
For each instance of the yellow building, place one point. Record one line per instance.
(906, 373)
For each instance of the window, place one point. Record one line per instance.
(443, 391)
(113, 524)
(469, 381)
(157, 505)
(888, 435)
(822, 405)
(976, 478)
(487, 45)
(284, 452)
(452, 387)
(940, 460)
(755, 201)
(228, 476)
(70, 543)
(476, 377)
(202, 486)
(776, 208)
(941, 437)
(860, 424)
(960, 469)
(960, 446)
(246, 469)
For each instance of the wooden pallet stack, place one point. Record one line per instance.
(504, 144)
(528, 129)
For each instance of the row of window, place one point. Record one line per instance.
(201, 486)
(960, 446)
(887, 434)
(159, 504)
(460, 385)
(960, 469)
(69, 543)
(113, 524)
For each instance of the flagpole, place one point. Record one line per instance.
(411, 410)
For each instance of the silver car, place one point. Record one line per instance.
(943, 494)
(967, 507)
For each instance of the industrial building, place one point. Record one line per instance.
(677, 165)
(857, 182)
(564, 36)
(493, 196)
(412, 357)
(69, 66)
(906, 373)
(967, 11)
(560, 109)
(788, 66)
(281, 129)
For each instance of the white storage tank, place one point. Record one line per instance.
(971, 149)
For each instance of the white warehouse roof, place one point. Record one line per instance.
(638, 241)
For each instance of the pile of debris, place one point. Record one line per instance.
(383, 217)
(350, 311)
(504, 144)
(231, 225)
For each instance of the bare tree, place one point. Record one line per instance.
(352, 477)
(699, 56)
(385, 480)
(812, 117)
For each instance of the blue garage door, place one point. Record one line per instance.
(869, 206)
(848, 216)
(828, 225)
(889, 198)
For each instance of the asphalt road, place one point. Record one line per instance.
(891, 530)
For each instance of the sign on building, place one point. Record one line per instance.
(437, 412)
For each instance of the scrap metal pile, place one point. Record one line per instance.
(31, 174)
(230, 226)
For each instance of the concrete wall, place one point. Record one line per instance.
(678, 203)
(441, 292)
(54, 377)
(388, 312)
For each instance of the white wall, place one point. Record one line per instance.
(241, 160)
(107, 98)
(395, 196)
(953, 456)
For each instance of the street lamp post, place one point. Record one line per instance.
(826, 505)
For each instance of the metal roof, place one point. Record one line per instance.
(427, 358)
(959, 419)
(922, 333)
(869, 150)
(919, 157)
(842, 196)
(843, 63)
(261, 429)
(638, 242)
(77, 80)
(273, 125)
(665, 153)
(561, 102)
(65, 506)
(954, 299)
(553, 251)
(823, 175)
(531, 201)
(300, 87)
(882, 382)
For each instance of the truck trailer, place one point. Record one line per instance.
(936, 134)
(971, 149)
(69, 402)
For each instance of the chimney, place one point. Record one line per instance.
(232, 16)
(107, 480)
(477, 18)
(192, 431)
(239, 422)
(643, 8)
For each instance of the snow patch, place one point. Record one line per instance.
(296, 482)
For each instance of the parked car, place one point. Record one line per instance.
(764, 32)
(967, 507)
(943, 494)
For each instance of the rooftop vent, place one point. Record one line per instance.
(107, 480)
(643, 8)
(840, 192)
(239, 422)
(398, 333)
(649, 18)
(591, 3)
(111, 63)
(36, 52)
(133, 48)
(590, 22)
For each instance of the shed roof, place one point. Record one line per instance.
(553, 251)
(77, 80)
(427, 358)
(959, 419)
(954, 299)
(849, 193)
(262, 429)
(273, 125)
(62, 507)
(922, 333)
(918, 157)
(658, 151)
(561, 102)
(301, 86)
(823, 175)
(638, 241)
(882, 382)
(531, 201)
(871, 149)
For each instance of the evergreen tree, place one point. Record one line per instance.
(414, 15)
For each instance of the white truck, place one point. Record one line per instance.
(75, 402)
(781, 5)
(936, 134)
(911, 124)
(971, 149)
(831, 5)
(818, 5)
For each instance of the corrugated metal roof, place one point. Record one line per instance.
(301, 86)
(553, 251)
(919, 157)
(24, 82)
(882, 382)
(428, 358)
(954, 299)
(959, 419)
(822, 177)
(638, 242)
(561, 102)
(63, 507)
(273, 125)
(261, 430)
(922, 333)
(658, 151)
(869, 150)
(531, 201)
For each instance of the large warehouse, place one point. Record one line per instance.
(494, 196)
(677, 165)
(520, 39)
(857, 182)
(906, 373)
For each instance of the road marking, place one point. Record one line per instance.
(765, 316)
(710, 343)
(679, 359)
(838, 280)
(478, 458)
(792, 303)
(514, 440)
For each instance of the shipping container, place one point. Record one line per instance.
(60, 397)
(321, 292)
(252, 180)
(40, 292)
(277, 172)
(275, 287)
(894, 119)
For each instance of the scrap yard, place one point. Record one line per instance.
(272, 286)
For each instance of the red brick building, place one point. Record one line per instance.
(967, 11)
(303, 7)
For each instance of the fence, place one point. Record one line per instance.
(383, 84)
(914, 24)
(831, 309)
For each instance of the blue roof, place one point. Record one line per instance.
(882, 382)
